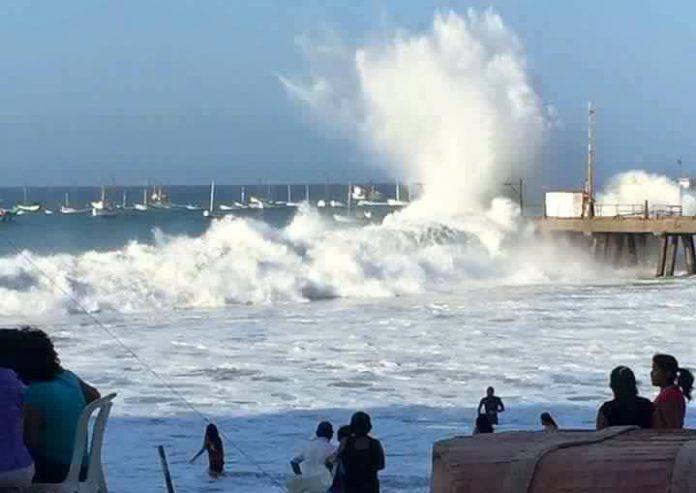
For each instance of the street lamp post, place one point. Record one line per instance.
(519, 190)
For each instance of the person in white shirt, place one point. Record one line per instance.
(312, 475)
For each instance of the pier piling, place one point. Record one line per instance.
(672, 246)
(618, 249)
(632, 250)
(689, 255)
(621, 241)
(661, 255)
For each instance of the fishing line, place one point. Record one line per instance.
(135, 356)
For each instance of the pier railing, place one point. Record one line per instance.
(638, 210)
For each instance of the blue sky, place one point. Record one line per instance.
(186, 91)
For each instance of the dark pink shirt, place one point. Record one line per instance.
(670, 408)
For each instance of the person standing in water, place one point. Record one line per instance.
(492, 405)
(212, 443)
(362, 457)
(310, 466)
(344, 432)
(548, 422)
(675, 385)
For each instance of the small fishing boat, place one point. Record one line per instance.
(142, 207)
(368, 199)
(210, 211)
(102, 208)
(290, 202)
(396, 201)
(124, 203)
(27, 206)
(159, 199)
(66, 209)
(256, 203)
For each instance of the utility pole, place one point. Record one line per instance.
(519, 190)
(588, 209)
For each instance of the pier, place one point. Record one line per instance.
(623, 240)
(620, 234)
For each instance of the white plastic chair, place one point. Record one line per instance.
(95, 482)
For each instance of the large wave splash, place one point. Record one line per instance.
(452, 108)
(243, 261)
(635, 186)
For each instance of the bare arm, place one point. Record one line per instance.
(32, 426)
(91, 393)
(381, 463)
(602, 421)
(295, 464)
(296, 461)
(199, 453)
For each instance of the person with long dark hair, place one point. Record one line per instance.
(627, 408)
(548, 422)
(344, 432)
(55, 399)
(675, 385)
(212, 443)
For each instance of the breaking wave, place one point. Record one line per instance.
(242, 261)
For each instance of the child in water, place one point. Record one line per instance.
(216, 453)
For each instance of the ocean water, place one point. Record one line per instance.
(268, 325)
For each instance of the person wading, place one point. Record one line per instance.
(492, 405)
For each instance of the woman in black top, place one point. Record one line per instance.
(627, 408)
(361, 457)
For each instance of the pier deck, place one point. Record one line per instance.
(636, 225)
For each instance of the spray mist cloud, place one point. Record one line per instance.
(451, 108)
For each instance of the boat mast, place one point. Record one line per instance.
(350, 195)
(212, 196)
(67, 199)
